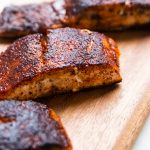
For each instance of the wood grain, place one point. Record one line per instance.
(109, 118)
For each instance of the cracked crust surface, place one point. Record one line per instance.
(64, 60)
(35, 126)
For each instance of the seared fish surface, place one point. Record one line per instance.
(66, 59)
(108, 14)
(27, 125)
(32, 18)
(90, 14)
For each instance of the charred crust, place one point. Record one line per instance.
(35, 126)
(21, 61)
(25, 19)
(36, 56)
(76, 7)
(107, 15)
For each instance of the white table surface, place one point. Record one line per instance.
(143, 141)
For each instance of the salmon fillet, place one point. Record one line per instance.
(64, 60)
(108, 14)
(35, 126)
(32, 18)
(100, 15)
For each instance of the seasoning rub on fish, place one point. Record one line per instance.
(28, 125)
(64, 60)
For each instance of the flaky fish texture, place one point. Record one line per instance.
(28, 125)
(64, 60)
(99, 15)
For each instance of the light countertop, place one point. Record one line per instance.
(143, 141)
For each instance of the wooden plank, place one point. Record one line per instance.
(109, 118)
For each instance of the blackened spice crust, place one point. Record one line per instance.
(32, 18)
(30, 126)
(32, 66)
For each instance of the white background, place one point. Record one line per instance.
(143, 141)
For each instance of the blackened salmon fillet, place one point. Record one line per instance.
(28, 125)
(108, 15)
(64, 60)
(16, 21)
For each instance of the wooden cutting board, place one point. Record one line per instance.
(109, 118)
